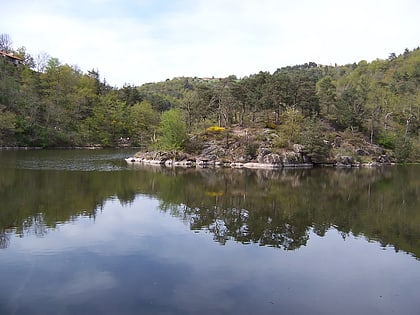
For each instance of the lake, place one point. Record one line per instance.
(82, 232)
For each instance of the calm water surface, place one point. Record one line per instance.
(81, 232)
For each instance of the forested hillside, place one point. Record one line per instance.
(46, 103)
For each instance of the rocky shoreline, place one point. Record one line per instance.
(259, 149)
(269, 161)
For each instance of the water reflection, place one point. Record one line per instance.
(269, 208)
(134, 259)
(146, 240)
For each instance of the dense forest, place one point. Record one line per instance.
(49, 104)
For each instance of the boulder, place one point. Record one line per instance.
(298, 148)
(344, 161)
(382, 159)
(291, 158)
(271, 158)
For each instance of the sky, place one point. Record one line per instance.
(139, 41)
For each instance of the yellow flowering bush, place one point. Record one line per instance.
(215, 129)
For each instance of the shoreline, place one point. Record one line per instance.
(191, 163)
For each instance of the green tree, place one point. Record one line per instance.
(108, 123)
(7, 124)
(189, 104)
(143, 123)
(326, 91)
(313, 139)
(172, 130)
(278, 93)
(292, 125)
(350, 108)
(403, 149)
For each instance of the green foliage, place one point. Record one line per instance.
(251, 149)
(326, 91)
(403, 149)
(270, 125)
(292, 125)
(350, 108)
(387, 140)
(7, 123)
(280, 142)
(144, 121)
(313, 139)
(172, 130)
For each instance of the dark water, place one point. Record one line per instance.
(83, 233)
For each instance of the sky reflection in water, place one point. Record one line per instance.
(135, 259)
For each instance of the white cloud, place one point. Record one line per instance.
(86, 281)
(142, 41)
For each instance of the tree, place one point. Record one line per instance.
(7, 124)
(303, 93)
(350, 108)
(143, 122)
(5, 43)
(225, 102)
(403, 149)
(312, 137)
(292, 125)
(130, 95)
(239, 93)
(27, 59)
(189, 104)
(326, 91)
(278, 92)
(41, 61)
(172, 130)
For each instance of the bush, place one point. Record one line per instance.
(280, 142)
(251, 149)
(403, 148)
(271, 125)
(387, 140)
(215, 129)
(173, 131)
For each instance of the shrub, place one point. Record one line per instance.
(387, 140)
(173, 131)
(271, 125)
(403, 149)
(251, 149)
(215, 129)
(280, 142)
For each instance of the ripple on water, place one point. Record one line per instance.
(75, 161)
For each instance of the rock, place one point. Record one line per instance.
(344, 161)
(291, 158)
(382, 159)
(271, 158)
(371, 164)
(261, 166)
(298, 148)
(361, 152)
(203, 162)
(263, 152)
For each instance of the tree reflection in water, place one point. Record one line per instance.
(271, 208)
